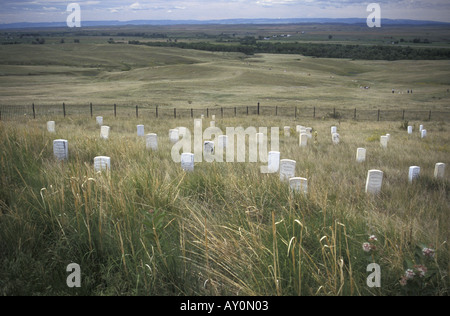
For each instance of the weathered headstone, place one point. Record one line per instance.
(174, 135)
(414, 173)
(61, 149)
(336, 139)
(141, 130)
(410, 130)
(388, 137)
(374, 181)
(187, 161)
(182, 131)
(51, 127)
(303, 140)
(197, 123)
(361, 155)
(152, 141)
(333, 130)
(102, 163)
(298, 128)
(208, 148)
(213, 117)
(420, 128)
(299, 185)
(274, 161)
(384, 141)
(424, 133)
(104, 132)
(287, 169)
(99, 120)
(439, 170)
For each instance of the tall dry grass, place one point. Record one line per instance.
(148, 228)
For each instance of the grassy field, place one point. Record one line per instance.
(148, 228)
(171, 77)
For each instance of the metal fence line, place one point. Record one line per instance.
(34, 111)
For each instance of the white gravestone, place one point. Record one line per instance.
(274, 161)
(439, 170)
(104, 132)
(374, 181)
(303, 140)
(174, 135)
(384, 141)
(287, 169)
(333, 130)
(187, 161)
(388, 137)
(424, 133)
(361, 155)
(336, 138)
(102, 163)
(208, 148)
(140, 130)
(414, 173)
(61, 149)
(287, 131)
(197, 123)
(99, 120)
(152, 141)
(298, 128)
(51, 127)
(420, 128)
(299, 185)
(410, 130)
(212, 124)
(213, 117)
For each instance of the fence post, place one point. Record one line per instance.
(207, 112)
(403, 115)
(137, 111)
(379, 111)
(314, 115)
(295, 112)
(276, 110)
(258, 108)
(91, 109)
(429, 116)
(354, 115)
(334, 113)
(192, 113)
(175, 112)
(247, 110)
(235, 111)
(157, 112)
(115, 110)
(64, 109)
(221, 111)
(0, 115)
(34, 112)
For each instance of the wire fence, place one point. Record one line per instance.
(33, 111)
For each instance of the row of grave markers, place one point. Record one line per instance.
(286, 167)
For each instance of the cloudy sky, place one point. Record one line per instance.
(55, 10)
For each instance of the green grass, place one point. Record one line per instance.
(130, 75)
(147, 228)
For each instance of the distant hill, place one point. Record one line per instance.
(27, 25)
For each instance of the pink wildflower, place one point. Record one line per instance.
(367, 247)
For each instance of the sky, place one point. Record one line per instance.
(56, 10)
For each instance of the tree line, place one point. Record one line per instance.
(366, 52)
